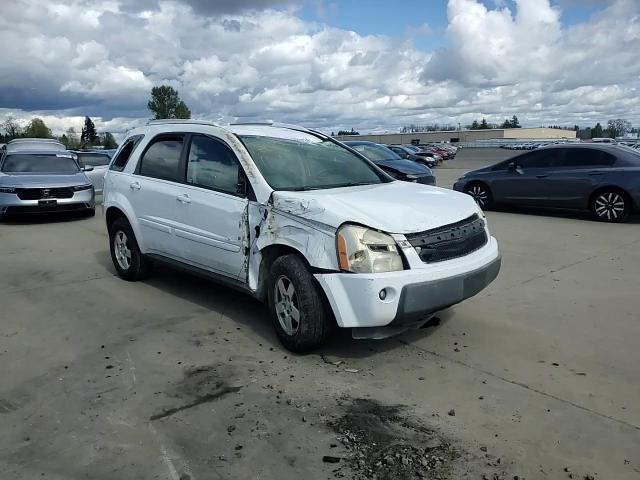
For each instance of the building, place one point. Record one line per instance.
(461, 136)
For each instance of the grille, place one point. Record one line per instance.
(39, 193)
(451, 241)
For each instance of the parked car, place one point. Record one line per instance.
(96, 164)
(297, 220)
(602, 178)
(390, 162)
(35, 180)
(431, 152)
(430, 160)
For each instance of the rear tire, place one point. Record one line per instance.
(300, 317)
(611, 205)
(127, 258)
(481, 193)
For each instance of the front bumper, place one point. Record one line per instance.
(81, 200)
(411, 295)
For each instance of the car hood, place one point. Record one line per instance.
(406, 167)
(395, 207)
(30, 180)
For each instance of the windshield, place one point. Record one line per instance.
(39, 163)
(374, 152)
(308, 163)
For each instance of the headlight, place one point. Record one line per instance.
(82, 187)
(7, 190)
(362, 250)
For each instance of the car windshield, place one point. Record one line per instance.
(374, 152)
(39, 163)
(308, 162)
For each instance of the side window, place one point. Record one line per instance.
(212, 164)
(161, 159)
(120, 161)
(587, 157)
(540, 158)
(93, 160)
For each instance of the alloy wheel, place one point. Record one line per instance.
(479, 194)
(286, 305)
(122, 250)
(609, 205)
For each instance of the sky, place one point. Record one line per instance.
(373, 65)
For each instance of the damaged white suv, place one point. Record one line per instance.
(297, 220)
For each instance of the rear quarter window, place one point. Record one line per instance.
(122, 157)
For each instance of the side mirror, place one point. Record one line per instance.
(87, 169)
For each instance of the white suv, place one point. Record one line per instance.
(297, 220)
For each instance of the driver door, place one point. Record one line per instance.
(527, 179)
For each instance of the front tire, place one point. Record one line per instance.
(610, 205)
(299, 315)
(127, 258)
(481, 194)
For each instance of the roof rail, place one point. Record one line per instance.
(165, 121)
(274, 124)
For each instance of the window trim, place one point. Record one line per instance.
(136, 140)
(181, 160)
(248, 194)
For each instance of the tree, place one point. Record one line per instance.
(514, 122)
(596, 132)
(348, 132)
(73, 142)
(618, 127)
(475, 125)
(506, 124)
(109, 142)
(165, 103)
(484, 125)
(89, 135)
(11, 128)
(37, 129)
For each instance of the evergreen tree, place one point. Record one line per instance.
(109, 142)
(89, 134)
(484, 125)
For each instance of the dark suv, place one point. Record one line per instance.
(599, 177)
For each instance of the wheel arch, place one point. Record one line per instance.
(113, 212)
(269, 254)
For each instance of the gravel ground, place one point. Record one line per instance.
(178, 378)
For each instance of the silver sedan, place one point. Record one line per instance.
(43, 181)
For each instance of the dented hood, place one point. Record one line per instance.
(395, 207)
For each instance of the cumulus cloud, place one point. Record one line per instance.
(250, 59)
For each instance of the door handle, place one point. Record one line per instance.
(134, 186)
(183, 198)
(542, 175)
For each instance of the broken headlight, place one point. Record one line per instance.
(362, 250)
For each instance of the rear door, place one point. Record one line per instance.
(212, 208)
(581, 171)
(153, 192)
(529, 182)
